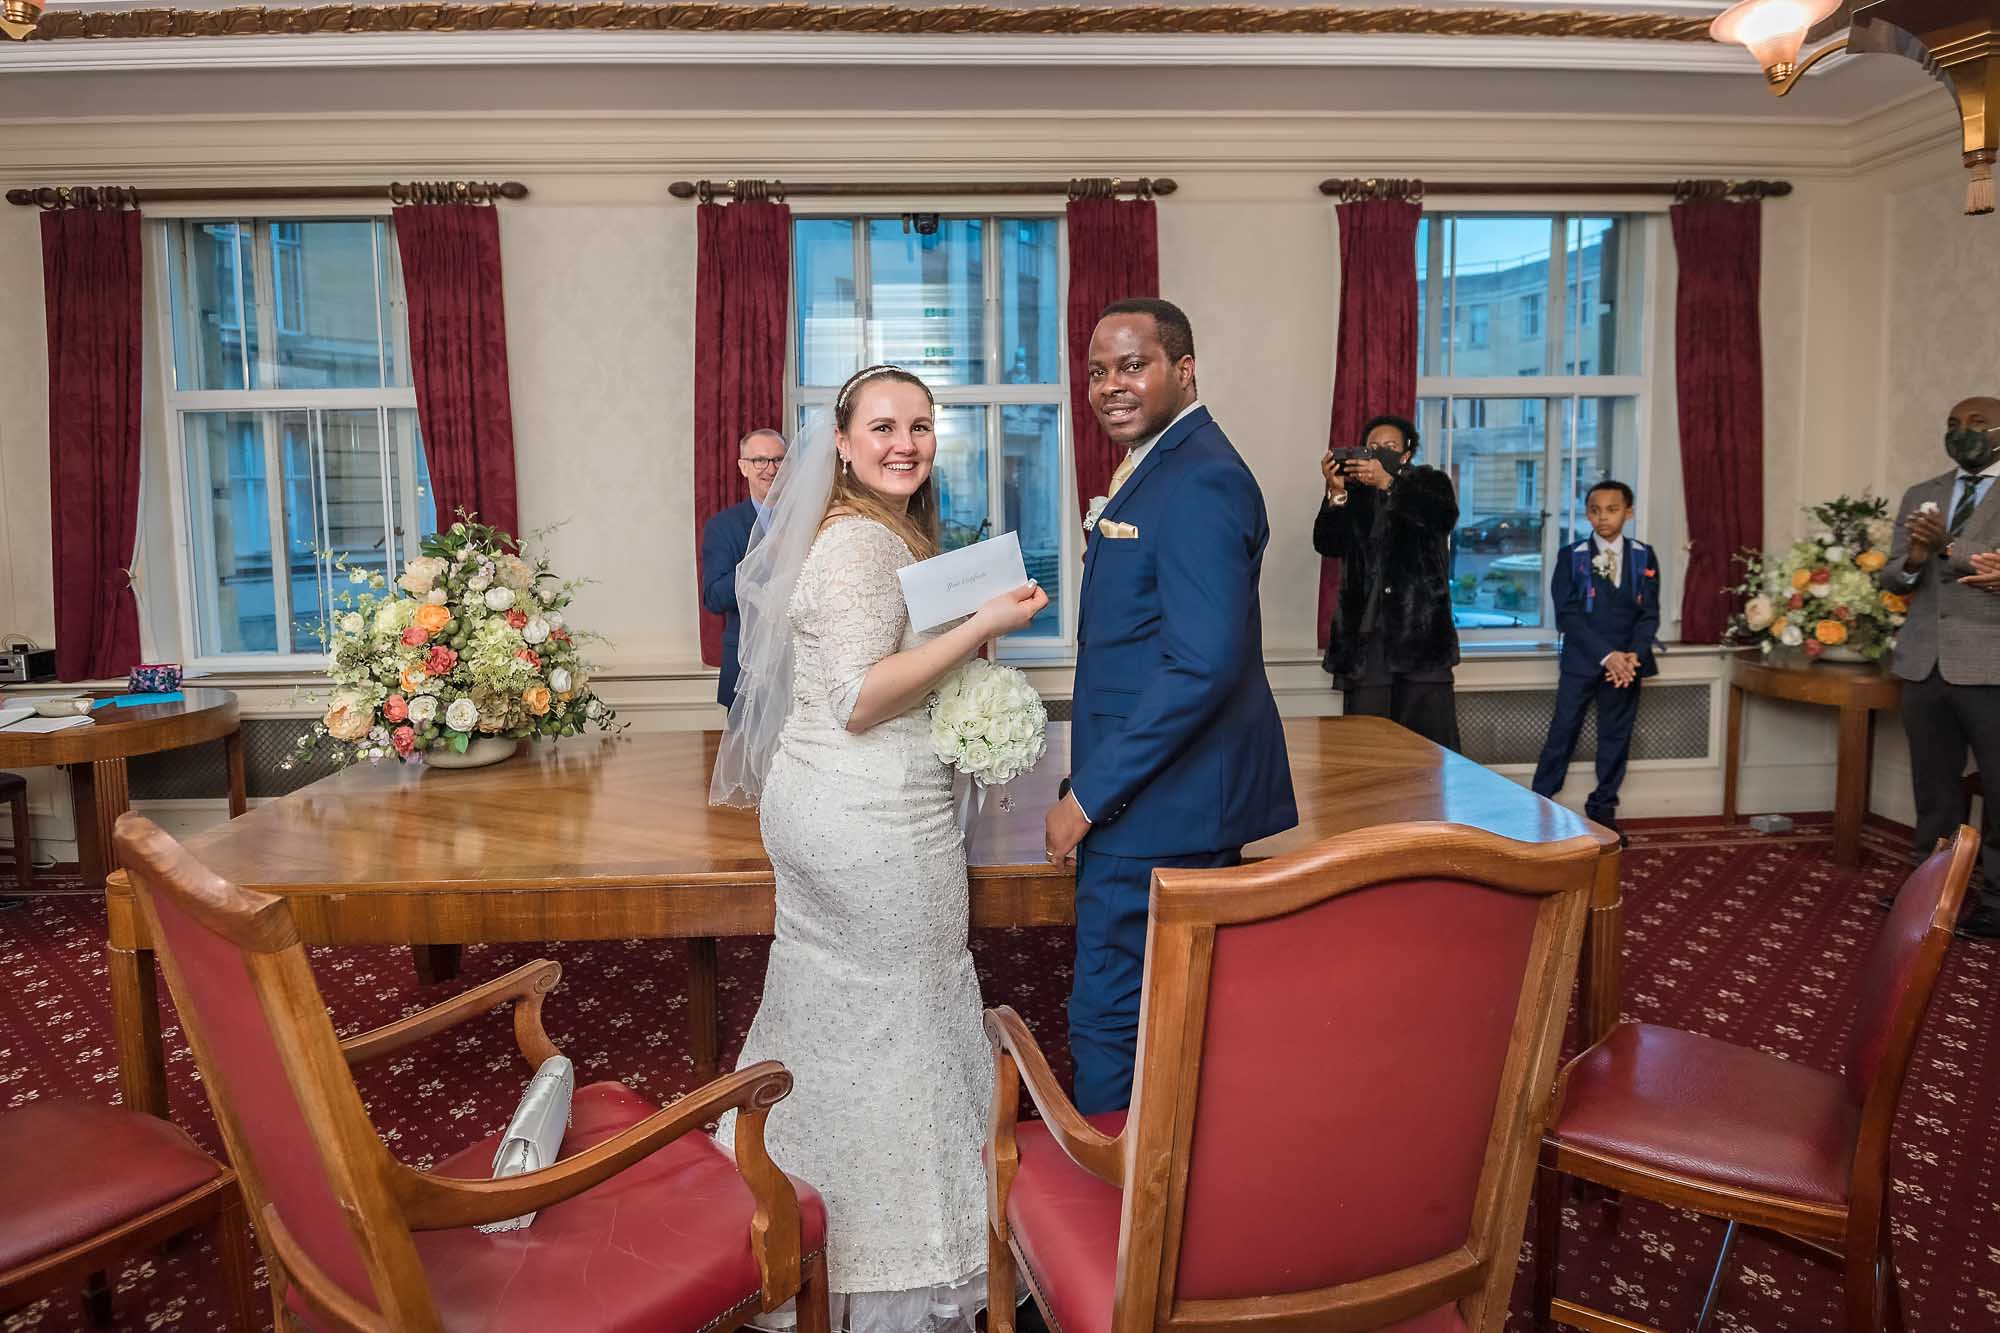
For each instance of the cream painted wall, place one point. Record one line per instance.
(599, 286)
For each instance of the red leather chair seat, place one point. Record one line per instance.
(73, 1170)
(1711, 1111)
(662, 1247)
(1065, 1223)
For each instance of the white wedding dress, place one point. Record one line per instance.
(870, 998)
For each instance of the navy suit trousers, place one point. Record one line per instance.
(1616, 711)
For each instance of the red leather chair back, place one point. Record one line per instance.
(1369, 1032)
(253, 1094)
(1901, 970)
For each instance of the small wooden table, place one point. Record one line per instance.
(613, 838)
(95, 757)
(1858, 691)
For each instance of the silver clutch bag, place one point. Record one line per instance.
(534, 1136)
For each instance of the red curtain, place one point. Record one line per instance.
(1719, 373)
(1375, 357)
(458, 353)
(91, 282)
(1114, 255)
(742, 291)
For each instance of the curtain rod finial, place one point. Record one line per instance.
(683, 189)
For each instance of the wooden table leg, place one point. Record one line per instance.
(135, 1026)
(1732, 752)
(1597, 982)
(232, 750)
(1850, 799)
(704, 1031)
(435, 962)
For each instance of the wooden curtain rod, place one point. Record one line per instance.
(1087, 187)
(1354, 188)
(54, 198)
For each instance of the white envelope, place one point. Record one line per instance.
(959, 582)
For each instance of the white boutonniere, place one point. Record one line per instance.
(1602, 564)
(1096, 511)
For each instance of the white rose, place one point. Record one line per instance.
(479, 583)
(978, 754)
(536, 630)
(352, 623)
(1758, 613)
(554, 618)
(422, 709)
(515, 572)
(1793, 636)
(1835, 554)
(499, 599)
(436, 597)
(1823, 538)
(594, 709)
(559, 679)
(463, 715)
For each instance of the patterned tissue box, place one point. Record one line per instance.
(158, 678)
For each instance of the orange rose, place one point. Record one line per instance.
(1830, 632)
(433, 618)
(1895, 603)
(1870, 561)
(1778, 626)
(1801, 578)
(413, 679)
(536, 697)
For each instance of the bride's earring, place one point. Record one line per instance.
(843, 465)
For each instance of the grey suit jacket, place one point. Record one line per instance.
(1953, 628)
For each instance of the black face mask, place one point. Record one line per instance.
(1973, 450)
(1390, 457)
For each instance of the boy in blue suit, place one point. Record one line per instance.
(1606, 591)
(1177, 756)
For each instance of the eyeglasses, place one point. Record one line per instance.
(765, 464)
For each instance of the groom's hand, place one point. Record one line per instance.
(1063, 829)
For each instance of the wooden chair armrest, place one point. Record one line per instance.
(1094, 1151)
(527, 984)
(431, 1202)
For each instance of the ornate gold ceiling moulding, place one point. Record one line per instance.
(939, 20)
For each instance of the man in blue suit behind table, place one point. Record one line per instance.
(1606, 592)
(726, 537)
(1177, 757)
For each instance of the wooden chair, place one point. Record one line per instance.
(644, 1223)
(87, 1186)
(1344, 1062)
(1733, 1133)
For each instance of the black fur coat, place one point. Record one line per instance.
(1409, 555)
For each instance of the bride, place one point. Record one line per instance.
(870, 997)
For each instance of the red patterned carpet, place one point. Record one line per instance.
(1749, 938)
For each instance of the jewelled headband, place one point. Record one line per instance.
(859, 378)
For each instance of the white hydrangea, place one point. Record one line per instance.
(463, 715)
(988, 722)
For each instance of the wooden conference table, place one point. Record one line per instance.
(613, 838)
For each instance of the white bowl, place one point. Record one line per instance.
(66, 706)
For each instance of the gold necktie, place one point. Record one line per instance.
(1613, 556)
(1123, 471)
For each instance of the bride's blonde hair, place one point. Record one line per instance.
(917, 522)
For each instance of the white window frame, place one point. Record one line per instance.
(801, 398)
(1645, 387)
(168, 228)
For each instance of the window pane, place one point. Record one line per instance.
(1031, 471)
(325, 306)
(1604, 445)
(1602, 297)
(829, 311)
(1031, 300)
(1491, 278)
(229, 507)
(927, 299)
(334, 497)
(406, 448)
(960, 475)
(1498, 448)
(213, 285)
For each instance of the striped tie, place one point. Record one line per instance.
(1961, 513)
(1124, 471)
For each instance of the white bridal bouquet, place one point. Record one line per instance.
(988, 722)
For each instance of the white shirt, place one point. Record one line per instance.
(1616, 550)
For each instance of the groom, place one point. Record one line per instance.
(1176, 754)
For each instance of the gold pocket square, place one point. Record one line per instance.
(1111, 528)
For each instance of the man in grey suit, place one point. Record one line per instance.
(1949, 651)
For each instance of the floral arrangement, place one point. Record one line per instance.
(1819, 596)
(988, 722)
(470, 641)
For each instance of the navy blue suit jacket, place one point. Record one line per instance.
(1597, 617)
(1175, 742)
(724, 540)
